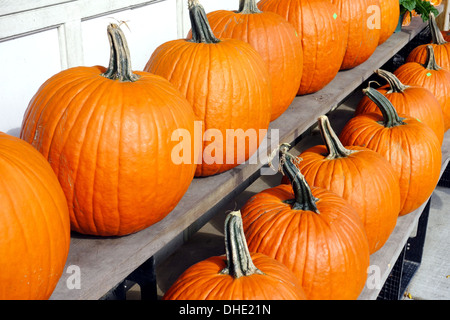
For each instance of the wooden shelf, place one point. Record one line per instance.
(105, 262)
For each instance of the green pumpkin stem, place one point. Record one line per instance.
(436, 35)
(430, 62)
(394, 83)
(390, 116)
(119, 63)
(248, 7)
(303, 197)
(201, 30)
(239, 261)
(334, 146)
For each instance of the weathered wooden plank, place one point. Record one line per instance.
(105, 262)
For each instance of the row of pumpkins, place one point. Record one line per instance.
(95, 154)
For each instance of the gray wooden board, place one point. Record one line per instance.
(104, 262)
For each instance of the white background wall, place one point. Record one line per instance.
(39, 38)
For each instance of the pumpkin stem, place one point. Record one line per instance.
(431, 63)
(394, 83)
(239, 261)
(390, 115)
(119, 63)
(201, 30)
(248, 7)
(334, 146)
(304, 199)
(436, 35)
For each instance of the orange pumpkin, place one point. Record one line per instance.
(390, 12)
(415, 101)
(409, 145)
(359, 175)
(446, 35)
(313, 231)
(228, 85)
(239, 275)
(276, 41)
(440, 46)
(362, 29)
(34, 223)
(321, 30)
(108, 134)
(430, 76)
(407, 17)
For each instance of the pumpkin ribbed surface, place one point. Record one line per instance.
(410, 146)
(390, 13)
(321, 30)
(276, 41)
(328, 252)
(34, 223)
(317, 234)
(277, 282)
(430, 76)
(228, 85)
(110, 145)
(440, 46)
(359, 175)
(237, 275)
(360, 24)
(415, 101)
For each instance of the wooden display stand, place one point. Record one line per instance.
(106, 264)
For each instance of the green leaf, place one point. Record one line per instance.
(409, 5)
(423, 8)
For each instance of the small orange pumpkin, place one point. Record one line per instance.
(239, 275)
(430, 76)
(440, 46)
(313, 231)
(359, 175)
(415, 101)
(409, 145)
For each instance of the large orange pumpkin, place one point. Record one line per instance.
(108, 134)
(362, 26)
(323, 36)
(228, 85)
(359, 175)
(313, 231)
(440, 46)
(34, 223)
(409, 145)
(430, 76)
(415, 101)
(238, 275)
(390, 13)
(276, 41)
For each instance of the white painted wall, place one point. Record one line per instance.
(40, 38)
